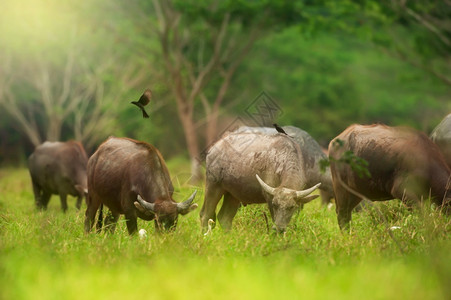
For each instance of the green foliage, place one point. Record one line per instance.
(319, 60)
(47, 255)
(326, 82)
(357, 164)
(266, 13)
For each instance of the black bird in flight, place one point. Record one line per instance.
(279, 129)
(143, 101)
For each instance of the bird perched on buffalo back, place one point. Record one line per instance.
(279, 129)
(143, 101)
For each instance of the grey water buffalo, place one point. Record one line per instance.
(403, 163)
(252, 167)
(441, 136)
(131, 178)
(58, 168)
(312, 154)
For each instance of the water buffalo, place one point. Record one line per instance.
(58, 168)
(403, 164)
(131, 178)
(252, 167)
(441, 136)
(312, 155)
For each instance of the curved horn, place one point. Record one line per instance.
(266, 187)
(304, 193)
(148, 206)
(185, 206)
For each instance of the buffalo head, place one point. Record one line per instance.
(285, 202)
(166, 212)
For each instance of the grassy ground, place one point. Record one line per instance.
(45, 255)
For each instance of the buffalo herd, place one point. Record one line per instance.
(247, 166)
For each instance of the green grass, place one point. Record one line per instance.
(46, 255)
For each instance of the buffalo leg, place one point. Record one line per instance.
(91, 211)
(345, 203)
(45, 199)
(111, 221)
(325, 197)
(228, 211)
(78, 203)
(407, 192)
(37, 194)
(212, 196)
(132, 223)
(63, 199)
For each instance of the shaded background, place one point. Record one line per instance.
(69, 70)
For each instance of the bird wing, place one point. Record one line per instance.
(145, 98)
(145, 115)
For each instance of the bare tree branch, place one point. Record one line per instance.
(189, 76)
(9, 103)
(427, 68)
(428, 26)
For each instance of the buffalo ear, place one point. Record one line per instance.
(187, 206)
(190, 209)
(143, 210)
(144, 206)
(81, 190)
(139, 207)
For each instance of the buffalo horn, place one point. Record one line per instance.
(266, 187)
(304, 193)
(148, 206)
(184, 206)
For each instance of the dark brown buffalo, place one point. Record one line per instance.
(441, 136)
(58, 168)
(403, 163)
(131, 178)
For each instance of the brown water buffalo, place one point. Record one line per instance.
(253, 167)
(131, 178)
(58, 168)
(441, 136)
(403, 163)
(312, 153)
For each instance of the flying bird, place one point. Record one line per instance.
(279, 129)
(143, 101)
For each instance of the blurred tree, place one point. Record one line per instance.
(429, 48)
(202, 45)
(70, 68)
(195, 53)
(416, 32)
(57, 72)
(323, 82)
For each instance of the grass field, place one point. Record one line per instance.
(46, 255)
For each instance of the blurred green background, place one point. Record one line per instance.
(69, 69)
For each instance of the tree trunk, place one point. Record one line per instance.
(212, 127)
(192, 144)
(54, 129)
